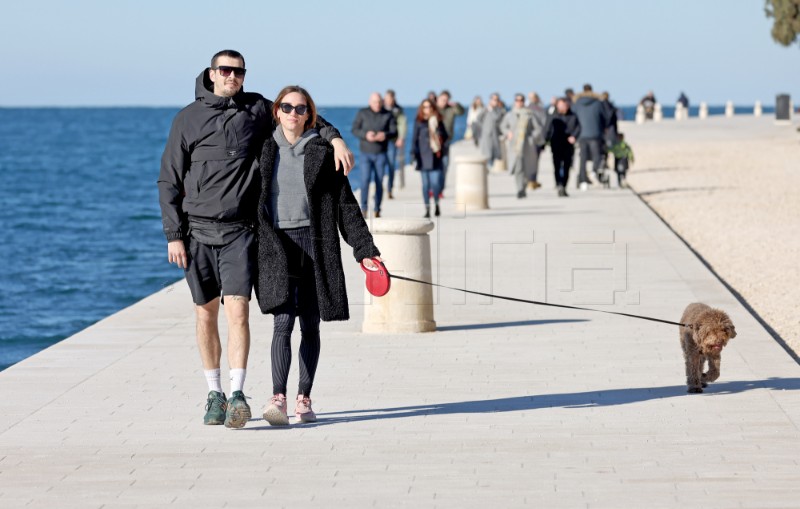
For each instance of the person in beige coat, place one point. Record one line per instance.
(517, 129)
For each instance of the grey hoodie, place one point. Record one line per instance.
(288, 205)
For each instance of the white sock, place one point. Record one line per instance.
(237, 379)
(213, 379)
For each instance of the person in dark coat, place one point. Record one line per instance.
(376, 128)
(562, 130)
(428, 147)
(303, 206)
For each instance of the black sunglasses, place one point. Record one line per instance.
(226, 70)
(287, 108)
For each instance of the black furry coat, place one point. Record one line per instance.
(332, 208)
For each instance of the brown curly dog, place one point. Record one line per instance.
(708, 332)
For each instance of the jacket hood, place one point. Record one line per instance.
(587, 97)
(204, 91)
(299, 147)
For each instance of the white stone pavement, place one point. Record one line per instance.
(506, 404)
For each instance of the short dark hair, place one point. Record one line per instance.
(587, 88)
(230, 53)
(447, 93)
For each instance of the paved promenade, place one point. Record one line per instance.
(506, 405)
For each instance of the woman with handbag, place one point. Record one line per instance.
(429, 139)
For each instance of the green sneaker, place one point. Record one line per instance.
(215, 408)
(238, 411)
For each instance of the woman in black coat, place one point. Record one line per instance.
(305, 202)
(428, 145)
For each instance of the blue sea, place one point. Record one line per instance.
(81, 215)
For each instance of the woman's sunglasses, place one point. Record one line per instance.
(287, 108)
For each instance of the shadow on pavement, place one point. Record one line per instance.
(569, 400)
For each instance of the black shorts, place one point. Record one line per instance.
(215, 271)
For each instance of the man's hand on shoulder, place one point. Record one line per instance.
(342, 156)
(176, 252)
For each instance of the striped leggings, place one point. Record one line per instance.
(302, 303)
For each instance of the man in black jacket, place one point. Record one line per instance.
(562, 130)
(208, 191)
(375, 126)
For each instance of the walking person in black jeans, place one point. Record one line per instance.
(563, 129)
(302, 207)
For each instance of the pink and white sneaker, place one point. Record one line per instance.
(302, 409)
(275, 412)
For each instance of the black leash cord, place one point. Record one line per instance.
(539, 303)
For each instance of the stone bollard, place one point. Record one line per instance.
(499, 166)
(680, 112)
(408, 307)
(757, 109)
(703, 112)
(640, 116)
(658, 114)
(472, 183)
(729, 109)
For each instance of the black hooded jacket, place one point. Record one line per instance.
(209, 169)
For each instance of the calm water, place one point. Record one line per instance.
(81, 217)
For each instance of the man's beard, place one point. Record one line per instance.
(230, 92)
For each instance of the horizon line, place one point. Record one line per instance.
(153, 106)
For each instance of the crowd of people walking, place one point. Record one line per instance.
(512, 139)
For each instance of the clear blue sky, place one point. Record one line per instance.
(148, 52)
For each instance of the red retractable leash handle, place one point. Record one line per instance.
(379, 281)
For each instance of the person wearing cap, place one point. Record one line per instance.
(303, 206)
